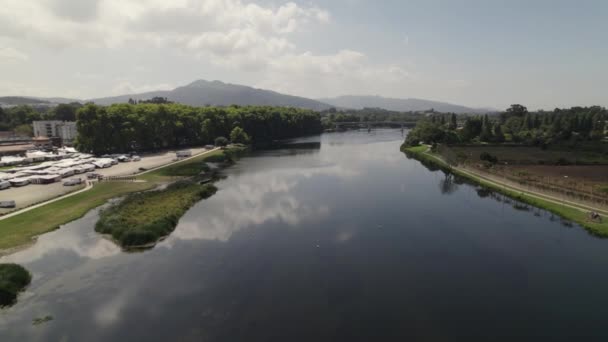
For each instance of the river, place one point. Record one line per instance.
(334, 238)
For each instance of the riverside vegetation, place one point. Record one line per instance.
(559, 153)
(144, 218)
(126, 127)
(433, 160)
(13, 279)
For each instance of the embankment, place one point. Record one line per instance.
(570, 211)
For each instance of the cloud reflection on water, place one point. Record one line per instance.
(252, 199)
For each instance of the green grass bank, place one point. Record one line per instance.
(20, 229)
(194, 166)
(579, 216)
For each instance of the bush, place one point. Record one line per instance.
(13, 279)
(221, 141)
(485, 156)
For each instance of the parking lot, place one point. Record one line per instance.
(34, 193)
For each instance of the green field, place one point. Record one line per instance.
(572, 214)
(144, 218)
(20, 229)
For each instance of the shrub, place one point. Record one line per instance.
(221, 141)
(485, 156)
(13, 279)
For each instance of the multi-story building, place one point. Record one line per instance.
(66, 130)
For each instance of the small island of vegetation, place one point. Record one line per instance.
(142, 219)
(13, 279)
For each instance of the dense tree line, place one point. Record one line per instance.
(515, 125)
(146, 126)
(20, 118)
(367, 115)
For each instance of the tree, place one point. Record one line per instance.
(25, 130)
(453, 122)
(238, 136)
(486, 129)
(485, 156)
(20, 115)
(221, 141)
(64, 112)
(471, 129)
(155, 100)
(517, 110)
(512, 125)
(498, 134)
(427, 132)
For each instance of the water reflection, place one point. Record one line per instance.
(448, 184)
(69, 239)
(344, 241)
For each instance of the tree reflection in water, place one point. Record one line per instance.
(448, 184)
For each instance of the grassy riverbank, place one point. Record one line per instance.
(144, 218)
(569, 213)
(13, 279)
(194, 166)
(20, 229)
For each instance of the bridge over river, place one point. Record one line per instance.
(371, 124)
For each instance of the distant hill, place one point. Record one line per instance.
(400, 105)
(21, 100)
(216, 93)
(40, 102)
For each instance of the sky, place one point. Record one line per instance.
(480, 53)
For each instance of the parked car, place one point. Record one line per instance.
(94, 176)
(72, 182)
(5, 185)
(136, 158)
(7, 204)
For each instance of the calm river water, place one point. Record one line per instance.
(339, 239)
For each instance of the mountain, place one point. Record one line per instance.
(216, 93)
(400, 105)
(40, 102)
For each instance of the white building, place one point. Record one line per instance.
(66, 130)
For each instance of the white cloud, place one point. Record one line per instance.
(126, 87)
(12, 53)
(232, 35)
(327, 75)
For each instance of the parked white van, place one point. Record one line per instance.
(5, 185)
